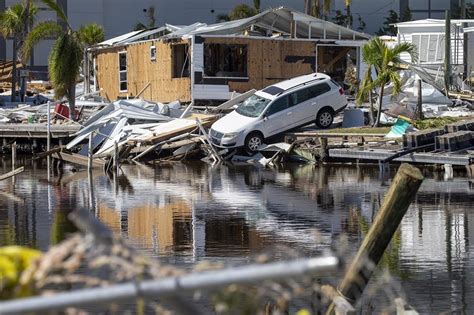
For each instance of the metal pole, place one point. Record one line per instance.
(13, 159)
(116, 158)
(48, 136)
(89, 162)
(447, 51)
(172, 285)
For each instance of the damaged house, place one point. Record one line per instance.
(204, 63)
(428, 36)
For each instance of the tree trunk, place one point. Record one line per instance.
(349, 16)
(379, 113)
(14, 74)
(371, 112)
(72, 102)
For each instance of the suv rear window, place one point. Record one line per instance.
(273, 90)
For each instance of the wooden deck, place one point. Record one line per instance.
(36, 131)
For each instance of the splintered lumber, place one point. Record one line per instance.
(48, 153)
(12, 173)
(205, 121)
(77, 159)
(401, 193)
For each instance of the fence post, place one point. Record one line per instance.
(395, 204)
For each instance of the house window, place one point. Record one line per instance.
(430, 47)
(122, 71)
(152, 53)
(180, 56)
(225, 61)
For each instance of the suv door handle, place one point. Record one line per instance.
(314, 104)
(289, 113)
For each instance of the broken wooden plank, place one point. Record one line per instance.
(173, 133)
(48, 153)
(12, 173)
(77, 159)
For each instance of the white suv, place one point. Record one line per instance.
(278, 108)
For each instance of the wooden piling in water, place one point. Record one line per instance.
(89, 153)
(395, 204)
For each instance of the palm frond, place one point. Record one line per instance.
(91, 34)
(57, 9)
(64, 63)
(11, 20)
(41, 31)
(365, 86)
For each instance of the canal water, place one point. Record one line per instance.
(184, 213)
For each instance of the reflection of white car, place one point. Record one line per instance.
(278, 108)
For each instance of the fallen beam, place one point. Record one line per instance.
(12, 173)
(77, 159)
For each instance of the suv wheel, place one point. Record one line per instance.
(253, 141)
(324, 118)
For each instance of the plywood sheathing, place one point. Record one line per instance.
(141, 70)
(271, 61)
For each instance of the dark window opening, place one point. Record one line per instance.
(273, 90)
(180, 55)
(122, 71)
(225, 61)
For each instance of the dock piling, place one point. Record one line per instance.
(89, 153)
(395, 204)
(48, 136)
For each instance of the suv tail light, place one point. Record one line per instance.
(341, 91)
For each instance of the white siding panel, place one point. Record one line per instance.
(211, 92)
(198, 57)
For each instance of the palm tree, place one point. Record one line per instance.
(12, 24)
(384, 60)
(65, 57)
(91, 34)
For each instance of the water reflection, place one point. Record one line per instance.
(188, 212)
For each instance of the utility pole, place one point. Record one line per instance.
(464, 41)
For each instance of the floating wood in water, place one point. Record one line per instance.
(12, 173)
(401, 193)
(77, 159)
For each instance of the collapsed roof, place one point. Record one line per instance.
(270, 23)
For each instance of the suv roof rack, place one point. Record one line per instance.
(298, 85)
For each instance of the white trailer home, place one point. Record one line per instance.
(429, 37)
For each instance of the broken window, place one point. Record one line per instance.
(180, 58)
(225, 60)
(430, 47)
(122, 56)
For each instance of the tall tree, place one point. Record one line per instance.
(388, 25)
(242, 11)
(65, 57)
(384, 60)
(12, 22)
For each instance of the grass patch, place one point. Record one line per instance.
(437, 122)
